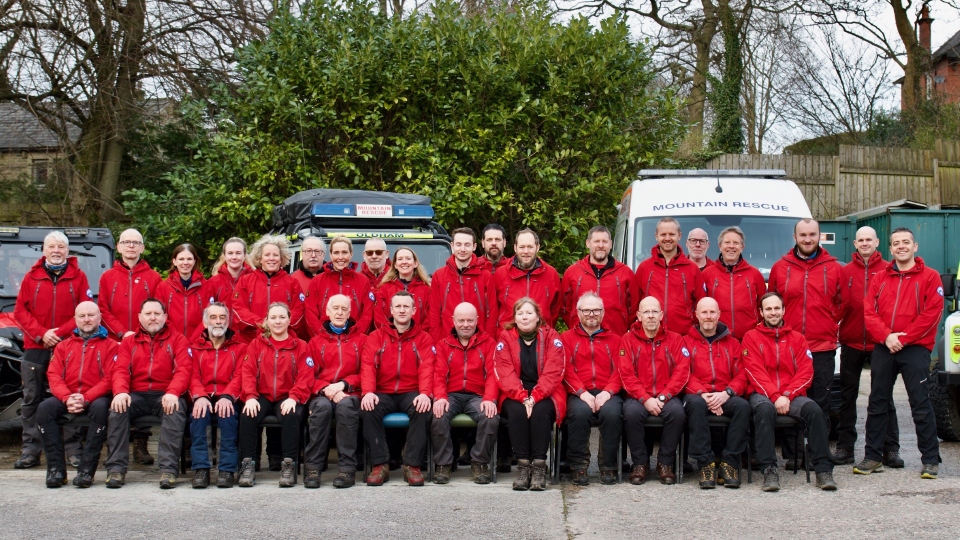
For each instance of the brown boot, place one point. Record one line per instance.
(413, 476)
(522, 483)
(379, 475)
(638, 475)
(538, 481)
(140, 452)
(666, 474)
(480, 472)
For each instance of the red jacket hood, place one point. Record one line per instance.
(196, 281)
(660, 260)
(823, 258)
(38, 271)
(475, 266)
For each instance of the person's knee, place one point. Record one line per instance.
(764, 412)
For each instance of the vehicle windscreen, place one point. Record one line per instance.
(767, 238)
(432, 255)
(16, 259)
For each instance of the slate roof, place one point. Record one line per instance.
(20, 130)
(950, 50)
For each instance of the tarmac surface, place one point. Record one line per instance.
(894, 504)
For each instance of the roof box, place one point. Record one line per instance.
(350, 204)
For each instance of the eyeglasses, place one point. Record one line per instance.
(130, 243)
(590, 312)
(313, 252)
(697, 241)
(374, 252)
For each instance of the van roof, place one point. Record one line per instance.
(685, 195)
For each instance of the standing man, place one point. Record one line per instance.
(376, 261)
(527, 275)
(610, 279)
(312, 251)
(593, 383)
(654, 366)
(735, 284)
(902, 311)
(151, 375)
(697, 244)
(462, 279)
(49, 295)
(494, 247)
(670, 277)
(856, 347)
(807, 278)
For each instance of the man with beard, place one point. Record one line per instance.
(528, 276)
(376, 261)
(494, 247)
(697, 244)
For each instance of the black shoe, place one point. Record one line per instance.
(729, 476)
(793, 465)
(26, 461)
(708, 476)
(247, 476)
(464, 459)
(115, 480)
(74, 461)
(608, 477)
(225, 479)
(893, 460)
(274, 463)
(83, 479)
(201, 478)
(771, 480)
(687, 466)
(395, 463)
(580, 477)
(345, 480)
(311, 478)
(565, 467)
(56, 479)
(140, 452)
(825, 481)
(169, 480)
(842, 457)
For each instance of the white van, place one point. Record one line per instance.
(761, 202)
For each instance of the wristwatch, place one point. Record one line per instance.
(662, 398)
(730, 392)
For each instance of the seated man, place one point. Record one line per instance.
(151, 375)
(716, 384)
(779, 367)
(215, 388)
(654, 367)
(79, 377)
(593, 383)
(464, 382)
(396, 375)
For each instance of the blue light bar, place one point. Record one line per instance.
(413, 211)
(334, 210)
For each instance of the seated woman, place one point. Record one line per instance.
(529, 365)
(278, 378)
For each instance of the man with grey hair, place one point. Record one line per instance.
(312, 250)
(376, 261)
(49, 294)
(697, 244)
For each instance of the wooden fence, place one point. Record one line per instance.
(863, 177)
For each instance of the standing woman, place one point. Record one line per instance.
(339, 276)
(405, 274)
(183, 293)
(227, 271)
(277, 379)
(269, 282)
(529, 366)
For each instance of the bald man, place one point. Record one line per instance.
(79, 376)
(464, 383)
(716, 386)
(697, 244)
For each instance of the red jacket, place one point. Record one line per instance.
(374, 279)
(737, 290)
(653, 367)
(254, 294)
(467, 369)
(450, 287)
(542, 284)
(350, 283)
(216, 372)
(337, 358)
(82, 366)
(277, 370)
(910, 302)
(421, 300)
(492, 268)
(43, 305)
(184, 306)
(811, 296)
(777, 361)
(678, 286)
(591, 360)
(221, 286)
(551, 363)
(615, 287)
(122, 291)
(157, 363)
(393, 363)
(715, 366)
(854, 279)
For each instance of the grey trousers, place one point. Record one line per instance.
(171, 432)
(468, 404)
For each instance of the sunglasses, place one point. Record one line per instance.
(374, 252)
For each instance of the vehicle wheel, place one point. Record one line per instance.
(945, 400)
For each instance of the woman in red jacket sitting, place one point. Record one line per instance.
(405, 274)
(529, 366)
(183, 292)
(277, 380)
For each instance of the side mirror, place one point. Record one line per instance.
(949, 282)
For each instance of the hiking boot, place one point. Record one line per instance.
(274, 463)
(56, 478)
(538, 478)
(201, 478)
(729, 476)
(26, 461)
(522, 483)
(247, 475)
(825, 481)
(793, 465)
(83, 479)
(771, 480)
(580, 477)
(140, 453)
(842, 457)
(868, 466)
(666, 474)
(288, 473)
(638, 475)
(168, 480)
(378, 475)
(708, 476)
(311, 478)
(414, 477)
(608, 477)
(225, 479)
(74, 461)
(893, 460)
(480, 472)
(115, 480)
(344, 480)
(929, 471)
(441, 475)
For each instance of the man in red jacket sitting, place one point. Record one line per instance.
(654, 367)
(79, 376)
(151, 375)
(902, 310)
(779, 366)
(396, 375)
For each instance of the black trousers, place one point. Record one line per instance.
(322, 412)
(824, 366)
(52, 413)
(580, 419)
(635, 416)
(913, 364)
(289, 429)
(852, 361)
(738, 431)
(415, 448)
(530, 437)
(765, 423)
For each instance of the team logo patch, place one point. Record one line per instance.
(940, 291)
(236, 295)
(190, 352)
(623, 352)
(809, 354)
(434, 349)
(90, 293)
(309, 361)
(704, 287)
(557, 344)
(500, 346)
(685, 352)
(372, 298)
(744, 352)
(212, 300)
(302, 297)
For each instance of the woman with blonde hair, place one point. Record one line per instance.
(405, 274)
(269, 282)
